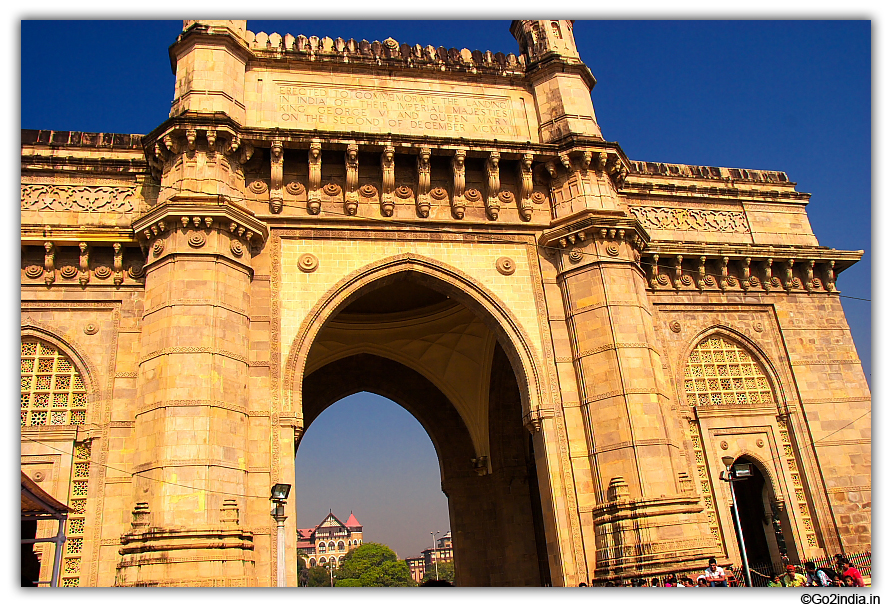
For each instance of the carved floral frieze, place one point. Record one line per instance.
(82, 198)
(701, 220)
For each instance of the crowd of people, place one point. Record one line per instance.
(844, 573)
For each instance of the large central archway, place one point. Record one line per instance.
(412, 338)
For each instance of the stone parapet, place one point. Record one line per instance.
(388, 54)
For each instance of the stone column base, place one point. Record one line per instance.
(651, 537)
(213, 556)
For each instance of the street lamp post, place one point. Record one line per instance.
(278, 496)
(434, 554)
(729, 477)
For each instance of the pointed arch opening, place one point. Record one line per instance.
(444, 354)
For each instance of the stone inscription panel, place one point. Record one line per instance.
(397, 110)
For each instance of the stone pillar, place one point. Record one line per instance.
(191, 426)
(644, 523)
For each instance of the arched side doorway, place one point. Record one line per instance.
(735, 394)
(763, 522)
(498, 534)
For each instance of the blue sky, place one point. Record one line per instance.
(793, 96)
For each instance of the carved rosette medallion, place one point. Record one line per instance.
(506, 197)
(675, 326)
(294, 188)
(404, 192)
(760, 442)
(236, 247)
(612, 250)
(368, 191)
(758, 327)
(136, 270)
(724, 445)
(33, 271)
(472, 195)
(68, 272)
(308, 262)
(158, 247)
(538, 198)
(439, 194)
(196, 240)
(257, 187)
(505, 266)
(91, 329)
(331, 189)
(102, 272)
(576, 255)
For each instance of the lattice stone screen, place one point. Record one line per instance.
(77, 501)
(53, 391)
(720, 372)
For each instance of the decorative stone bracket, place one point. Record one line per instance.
(276, 161)
(423, 163)
(481, 465)
(457, 201)
(533, 421)
(492, 202)
(314, 160)
(525, 179)
(352, 171)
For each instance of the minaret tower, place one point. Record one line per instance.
(562, 83)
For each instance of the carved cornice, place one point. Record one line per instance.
(33, 234)
(567, 230)
(210, 210)
(171, 138)
(699, 266)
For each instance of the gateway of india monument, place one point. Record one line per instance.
(583, 336)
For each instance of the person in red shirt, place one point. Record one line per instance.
(849, 570)
(845, 569)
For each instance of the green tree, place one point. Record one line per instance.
(373, 565)
(444, 569)
(318, 577)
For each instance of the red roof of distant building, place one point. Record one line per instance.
(305, 533)
(352, 521)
